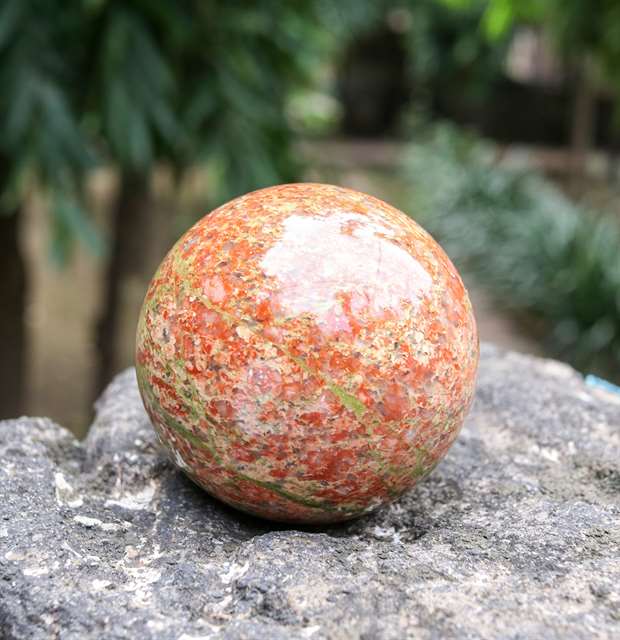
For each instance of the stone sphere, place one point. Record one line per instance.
(306, 353)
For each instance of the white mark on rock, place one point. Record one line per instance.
(4, 532)
(65, 545)
(47, 619)
(584, 397)
(135, 501)
(386, 533)
(307, 632)
(88, 522)
(36, 570)
(14, 555)
(156, 625)
(98, 524)
(222, 604)
(235, 572)
(66, 495)
(213, 629)
(553, 455)
(558, 369)
(100, 585)
(131, 552)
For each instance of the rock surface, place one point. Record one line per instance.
(515, 535)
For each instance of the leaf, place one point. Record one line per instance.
(498, 18)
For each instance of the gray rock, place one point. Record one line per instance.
(515, 535)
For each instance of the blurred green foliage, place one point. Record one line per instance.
(445, 46)
(135, 83)
(579, 27)
(40, 134)
(500, 15)
(536, 250)
(443, 41)
(195, 81)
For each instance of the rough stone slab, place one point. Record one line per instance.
(515, 535)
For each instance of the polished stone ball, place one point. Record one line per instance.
(306, 353)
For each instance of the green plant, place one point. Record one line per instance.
(445, 47)
(522, 238)
(236, 67)
(41, 145)
(40, 135)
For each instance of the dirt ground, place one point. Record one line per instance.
(64, 302)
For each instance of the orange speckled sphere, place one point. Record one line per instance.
(306, 353)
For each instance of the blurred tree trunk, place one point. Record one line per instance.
(129, 233)
(613, 153)
(583, 123)
(12, 325)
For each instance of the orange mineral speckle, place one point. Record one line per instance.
(309, 352)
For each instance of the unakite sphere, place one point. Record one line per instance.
(306, 353)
